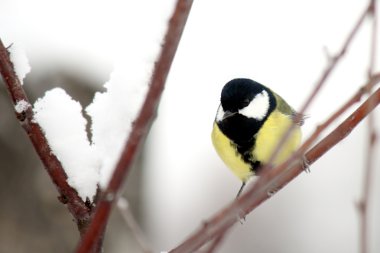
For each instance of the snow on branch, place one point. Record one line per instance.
(57, 129)
(24, 113)
(20, 61)
(140, 127)
(112, 114)
(65, 128)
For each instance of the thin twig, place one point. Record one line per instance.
(141, 125)
(68, 195)
(333, 61)
(375, 79)
(130, 220)
(226, 219)
(373, 50)
(259, 192)
(363, 205)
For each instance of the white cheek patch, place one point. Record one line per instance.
(220, 114)
(258, 107)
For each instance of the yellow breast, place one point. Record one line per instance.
(266, 141)
(229, 154)
(271, 133)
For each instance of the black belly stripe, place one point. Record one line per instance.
(246, 153)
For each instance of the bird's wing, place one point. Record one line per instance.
(286, 109)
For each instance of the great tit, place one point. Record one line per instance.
(250, 122)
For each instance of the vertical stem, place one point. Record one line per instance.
(371, 140)
(140, 126)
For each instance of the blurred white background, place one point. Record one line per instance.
(277, 43)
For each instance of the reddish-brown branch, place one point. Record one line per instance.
(141, 125)
(353, 100)
(373, 80)
(368, 173)
(68, 195)
(273, 179)
(363, 205)
(225, 219)
(214, 245)
(373, 49)
(333, 61)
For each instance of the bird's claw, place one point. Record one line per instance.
(305, 163)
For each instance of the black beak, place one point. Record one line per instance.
(228, 114)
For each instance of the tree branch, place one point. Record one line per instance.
(215, 243)
(353, 100)
(333, 61)
(273, 179)
(68, 195)
(363, 205)
(140, 127)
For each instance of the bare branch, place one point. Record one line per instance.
(215, 243)
(280, 176)
(68, 195)
(353, 100)
(363, 205)
(141, 125)
(332, 63)
(373, 50)
(270, 179)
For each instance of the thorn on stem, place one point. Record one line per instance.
(63, 199)
(305, 163)
(205, 224)
(271, 192)
(361, 206)
(373, 139)
(241, 216)
(8, 47)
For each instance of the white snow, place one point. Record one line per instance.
(112, 113)
(91, 163)
(22, 106)
(20, 61)
(65, 128)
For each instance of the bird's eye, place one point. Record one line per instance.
(245, 102)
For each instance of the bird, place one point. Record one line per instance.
(250, 122)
